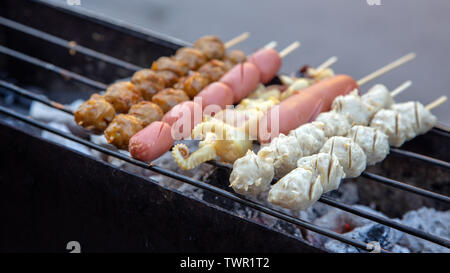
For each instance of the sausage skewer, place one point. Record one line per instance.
(306, 105)
(237, 83)
(237, 138)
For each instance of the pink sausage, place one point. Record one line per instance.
(151, 142)
(303, 107)
(242, 80)
(268, 61)
(182, 118)
(216, 93)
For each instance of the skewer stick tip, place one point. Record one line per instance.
(401, 88)
(288, 50)
(400, 61)
(326, 64)
(436, 103)
(236, 40)
(270, 45)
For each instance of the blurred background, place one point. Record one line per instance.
(364, 37)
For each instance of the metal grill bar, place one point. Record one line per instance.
(48, 66)
(424, 158)
(32, 96)
(326, 200)
(406, 187)
(67, 44)
(191, 181)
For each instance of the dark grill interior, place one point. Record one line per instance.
(42, 58)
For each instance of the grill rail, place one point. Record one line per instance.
(200, 184)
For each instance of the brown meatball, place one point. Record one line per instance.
(214, 69)
(193, 58)
(95, 113)
(148, 82)
(146, 112)
(166, 63)
(170, 78)
(168, 98)
(180, 83)
(211, 46)
(122, 95)
(234, 57)
(121, 129)
(195, 83)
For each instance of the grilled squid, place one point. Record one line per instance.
(374, 143)
(351, 157)
(219, 140)
(251, 174)
(303, 186)
(353, 108)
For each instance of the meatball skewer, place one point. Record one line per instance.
(95, 114)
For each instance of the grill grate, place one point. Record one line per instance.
(200, 184)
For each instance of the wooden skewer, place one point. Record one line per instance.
(387, 68)
(401, 88)
(320, 68)
(271, 44)
(436, 103)
(289, 49)
(236, 40)
(326, 64)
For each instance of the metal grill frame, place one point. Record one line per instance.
(117, 62)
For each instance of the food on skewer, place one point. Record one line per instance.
(95, 113)
(148, 82)
(254, 169)
(246, 116)
(168, 64)
(195, 83)
(303, 107)
(121, 128)
(297, 190)
(335, 123)
(192, 57)
(147, 112)
(122, 95)
(351, 157)
(221, 140)
(294, 192)
(374, 142)
(283, 151)
(170, 78)
(403, 121)
(300, 188)
(169, 97)
(325, 165)
(311, 136)
(211, 46)
(353, 108)
(241, 80)
(213, 69)
(234, 57)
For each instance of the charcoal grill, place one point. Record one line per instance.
(51, 194)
